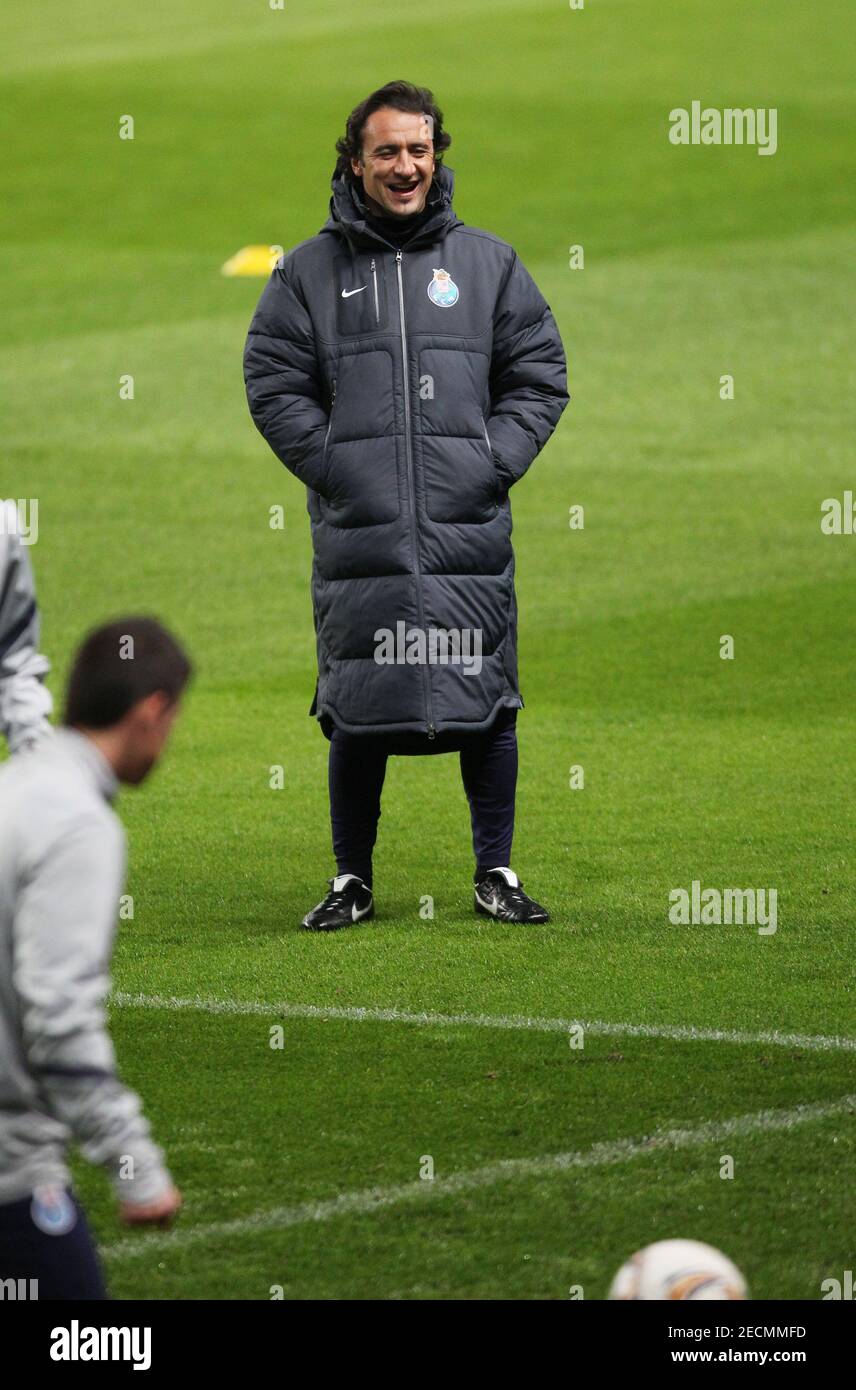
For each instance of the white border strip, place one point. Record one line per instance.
(805, 1041)
(367, 1200)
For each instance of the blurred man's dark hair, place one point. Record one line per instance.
(120, 664)
(400, 96)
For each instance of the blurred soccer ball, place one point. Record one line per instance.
(684, 1270)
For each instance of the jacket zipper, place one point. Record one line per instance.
(490, 450)
(376, 303)
(329, 420)
(409, 454)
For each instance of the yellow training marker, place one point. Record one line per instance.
(252, 260)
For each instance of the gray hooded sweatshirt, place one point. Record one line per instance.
(25, 702)
(62, 866)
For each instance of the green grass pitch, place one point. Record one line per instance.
(702, 518)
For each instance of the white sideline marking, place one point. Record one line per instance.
(372, 1199)
(807, 1041)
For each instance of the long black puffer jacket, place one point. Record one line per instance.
(408, 389)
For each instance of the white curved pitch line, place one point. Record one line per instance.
(367, 1200)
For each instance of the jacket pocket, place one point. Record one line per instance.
(361, 296)
(360, 468)
(461, 481)
(327, 436)
(501, 488)
(360, 483)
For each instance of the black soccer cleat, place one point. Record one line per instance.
(499, 893)
(348, 901)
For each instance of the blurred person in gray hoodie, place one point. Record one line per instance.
(25, 701)
(62, 871)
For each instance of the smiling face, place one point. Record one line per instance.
(397, 161)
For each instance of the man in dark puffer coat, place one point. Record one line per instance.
(407, 369)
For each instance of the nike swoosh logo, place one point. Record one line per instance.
(357, 913)
(346, 294)
(492, 906)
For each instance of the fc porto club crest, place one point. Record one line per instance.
(53, 1211)
(443, 291)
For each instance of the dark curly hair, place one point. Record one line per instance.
(401, 96)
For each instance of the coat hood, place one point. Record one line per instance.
(349, 211)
